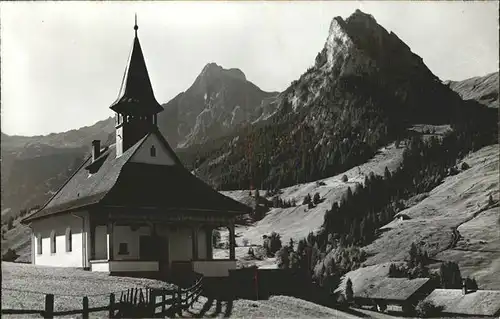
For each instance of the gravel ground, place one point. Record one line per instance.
(24, 286)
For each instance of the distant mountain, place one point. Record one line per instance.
(364, 89)
(218, 101)
(483, 89)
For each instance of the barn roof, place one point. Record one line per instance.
(476, 303)
(154, 186)
(392, 288)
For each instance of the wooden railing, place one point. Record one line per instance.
(180, 298)
(133, 303)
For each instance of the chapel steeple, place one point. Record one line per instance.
(136, 106)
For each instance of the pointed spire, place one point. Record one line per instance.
(136, 93)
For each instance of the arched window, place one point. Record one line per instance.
(153, 151)
(53, 242)
(39, 244)
(69, 240)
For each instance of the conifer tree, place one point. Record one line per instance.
(349, 293)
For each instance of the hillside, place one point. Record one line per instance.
(34, 166)
(483, 89)
(297, 222)
(460, 202)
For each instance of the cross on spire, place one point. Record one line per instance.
(135, 25)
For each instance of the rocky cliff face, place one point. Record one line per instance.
(361, 57)
(483, 89)
(219, 101)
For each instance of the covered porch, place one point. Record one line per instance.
(158, 246)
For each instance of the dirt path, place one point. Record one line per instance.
(455, 234)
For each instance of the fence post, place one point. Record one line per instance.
(163, 301)
(49, 306)
(85, 314)
(152, 302)
(111, 306)
(179, 300)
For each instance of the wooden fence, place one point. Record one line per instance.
(133, 303)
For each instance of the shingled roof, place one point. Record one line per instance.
(392, 288)
(475, 303)
(119, 182)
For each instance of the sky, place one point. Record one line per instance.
(62, 62)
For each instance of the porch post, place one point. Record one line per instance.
(92, 239)
(110, 231)
(208, 240)
(194, 245)
(232, 239)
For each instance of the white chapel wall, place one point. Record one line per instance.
(162, 155)
(59, 224)
(125, 234)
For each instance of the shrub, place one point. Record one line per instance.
(344, 178)
(397, 271)
(10, 255)
(316, 199)
(245, 242)
(465, 166)
(426, 309)
(310, 205)
(272, 243)
(283, 258)
(307, 200)
(251, 252)
(490, 200)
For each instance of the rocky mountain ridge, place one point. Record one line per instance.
(483, 89)
(218, 101)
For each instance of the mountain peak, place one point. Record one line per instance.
(212, 69)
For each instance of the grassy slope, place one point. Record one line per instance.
(24, 286)
(18, 239)
(297, 222)
(460, 201)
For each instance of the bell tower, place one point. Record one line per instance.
(136, 107)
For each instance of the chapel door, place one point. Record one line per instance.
(146, 248)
